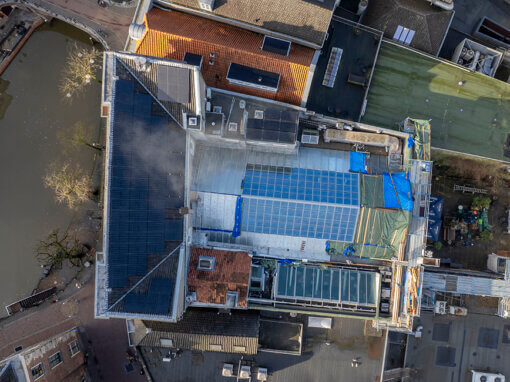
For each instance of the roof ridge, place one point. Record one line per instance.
(126, 66)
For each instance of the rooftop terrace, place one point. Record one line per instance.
(469, 112)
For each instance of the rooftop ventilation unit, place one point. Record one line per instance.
(232, 126)
(245, 372)
(192, 121)
(310, 137)
(259, 114)
(206, 5)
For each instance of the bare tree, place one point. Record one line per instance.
(78, 135)
(56, 248)
(71, 185)
(81, 67)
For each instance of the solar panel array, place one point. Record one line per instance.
(157, 301)
(253, 77)
(299, 219)
(302, 184)
(276, 45)
(338, 285)
(146, 164)
(276, 126)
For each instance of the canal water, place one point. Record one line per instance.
(34, 118)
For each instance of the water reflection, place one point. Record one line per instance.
(5, 98)
(33, 116)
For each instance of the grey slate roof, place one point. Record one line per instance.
(307, 20)
(200, 328)
(172, 84)
(429, 22)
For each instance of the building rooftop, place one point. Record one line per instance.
(302, 19)
(471, 118)
(172, 34)
(239, 117)
(327, 356)
(355, 48)
(429, 23)
(450, 347)
(230, 273)
(201, 329)
(268, 218)
(468, 15)
(145, 191)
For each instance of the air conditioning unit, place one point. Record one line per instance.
(192, 121)
(208, 93)
(242, 104)
(245, 372)
(262, 374)
(232, 126)
(440, 307)
(484, 376)
(217, 109)
(207, 106)
(228, 370)
(259, 114)
(206, 5)
(310, 137)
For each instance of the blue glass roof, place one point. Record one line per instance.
(146, 181)
(300, 202)
(299, 219)
(302, 184)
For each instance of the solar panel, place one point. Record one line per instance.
(350, 286)
(139, 191)
(173, 84)
(299, 219)
(276, 129)
(302, 184)
(275, 45)
(252, 77)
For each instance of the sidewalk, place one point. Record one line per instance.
(110, 24)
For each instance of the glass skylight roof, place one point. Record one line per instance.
(300, 219)
(302, 184)
(337, 285)
(300, 202)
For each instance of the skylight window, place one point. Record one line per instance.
(253, 78)
(206, 263)
(275, 45)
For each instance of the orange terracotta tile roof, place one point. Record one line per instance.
(170, 34)
(231, 273)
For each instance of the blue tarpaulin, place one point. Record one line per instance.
(435, 213)
(358, 162)
(397, 191)
(237, 218)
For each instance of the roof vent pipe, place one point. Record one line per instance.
(136, 31)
